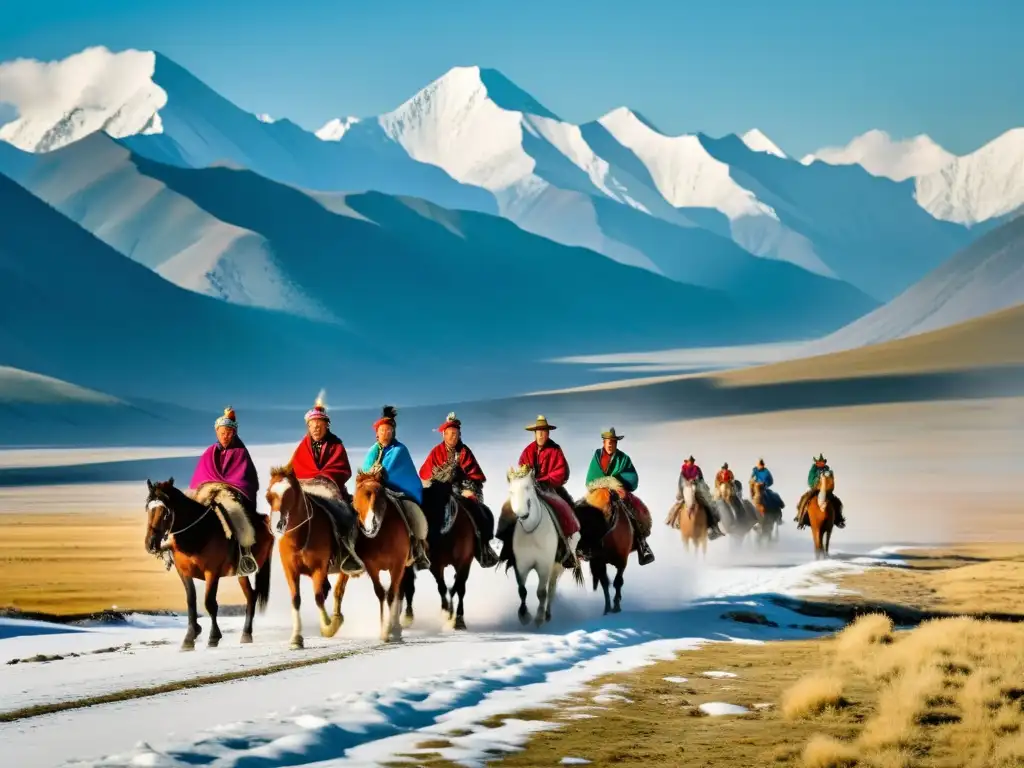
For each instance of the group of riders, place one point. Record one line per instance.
(320, 460)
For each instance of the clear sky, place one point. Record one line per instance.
(806, 73)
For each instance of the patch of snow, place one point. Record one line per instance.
(881, 155)
(28, 388)
(675, 679)
(573, 761)
(719, 708)
(758, 142)
(60, 102)
(719, 674)
(263, 117)
(334, 129)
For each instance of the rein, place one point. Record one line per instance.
(170, 512)
(309, 516)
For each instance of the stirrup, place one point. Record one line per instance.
(247, 564)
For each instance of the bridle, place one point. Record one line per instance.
(156, 502)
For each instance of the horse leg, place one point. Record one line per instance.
(816, 537)
(250, 608)
(543, 583)
(395, 603)
(617, 605)
(828, 540)
(556, 571)
(210, 602)
(328, 627)
(599, 568)
(194, 630)
(442, 590)
(524, 612)
(408, 592)
(461, 577)
(292, 577)
(378, 590)
(339, 595)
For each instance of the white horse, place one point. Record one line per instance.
(534, 543)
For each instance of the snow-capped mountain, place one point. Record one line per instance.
(985, 277)
(878, 153)
(334, 129)
(473, 140)
(982, 186)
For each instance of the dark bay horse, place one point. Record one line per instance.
(769, 514)
(606, 538)
(383, 545)
(307, 547)
(202, 550)
(456, 548)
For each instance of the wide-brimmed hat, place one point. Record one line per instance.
(227, 419)
(821, 459)
(610, 434)
(318, 411)
(451, 421)
(387, 416)
(541, 423)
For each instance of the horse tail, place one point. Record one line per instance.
(577, 575)
(263, 582)
(594, 576)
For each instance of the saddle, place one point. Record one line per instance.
(329, 498)
(235, 514)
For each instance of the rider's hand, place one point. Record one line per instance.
(469, 494)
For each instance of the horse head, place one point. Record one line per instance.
(826, 482)
(522, 491)
(160, 517)
(369, 500)
(601, 492)
(283, 485)
(726, 492)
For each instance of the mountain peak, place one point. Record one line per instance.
(625, 117)
(334, 129)
(463, 83)
(758, 142)
(881, 155)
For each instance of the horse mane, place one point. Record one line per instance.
(282, 471)
(372, 475)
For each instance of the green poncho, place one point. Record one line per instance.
(620, 467)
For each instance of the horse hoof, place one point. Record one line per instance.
(539, 621)
(616, 609)
(330, 630)
(460, 623)
(213, 642)
(246, 638)
(188, 645)
(407, 620)
(297, 644)
(524, 617)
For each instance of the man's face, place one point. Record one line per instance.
(451, 436)
(542, 435)
(317, 428)
(385, 434)
(610, 445)
(224, 436)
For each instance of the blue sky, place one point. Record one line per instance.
(806, 73)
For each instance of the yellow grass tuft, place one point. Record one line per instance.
(867, 631)
(826, 752)
(811, 696)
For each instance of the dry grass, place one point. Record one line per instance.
(70, 564)
(811, 696)
(826, 752)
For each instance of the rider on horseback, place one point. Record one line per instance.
(724, 476)
(609, 461)
(227, 462)
(401, 479)
(813, 478)
(451, 461)
(550, 471)
(761, 474)
(692, 472)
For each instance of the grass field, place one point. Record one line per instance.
(949, 692)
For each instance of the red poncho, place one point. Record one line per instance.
(549, 464)
(724, 476)
(333, 461)
(439, 456)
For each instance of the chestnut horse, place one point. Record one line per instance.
(202, 550)
(307, 545)
(821, 513)
(606, 536)
(769, 514)
(693, 519)
(456, 547)
(383, 545)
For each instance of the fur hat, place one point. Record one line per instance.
(387, 416)
(451, 421)
(318, 411)
(541, 423)
(227, 420)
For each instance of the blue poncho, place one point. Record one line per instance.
(401, 472)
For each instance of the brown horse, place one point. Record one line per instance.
(821, 513)
(202, 550)
(769, 514)
(606, 537)
(456, 548)
(307, 546)
(692, 519)
(384, 545)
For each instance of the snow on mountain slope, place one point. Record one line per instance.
(985, 277)
(162, 111)
(95, 183)
(24, 387)
(879, 154)
(758, 142)
(59, 102)
(983, 185)
(334, 129)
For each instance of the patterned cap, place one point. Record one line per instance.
(318, 411)
(451, 421)
(227, 420)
